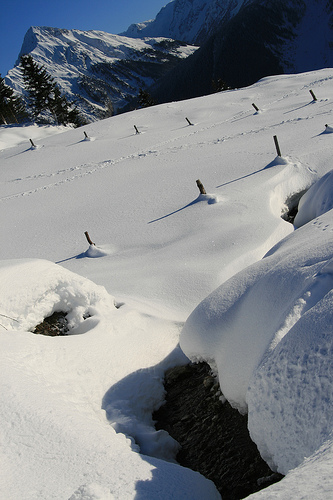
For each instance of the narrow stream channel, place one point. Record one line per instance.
(213, 436)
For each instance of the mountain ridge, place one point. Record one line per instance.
(95, 69)
(263, 38)
(241, 41)
(191, 21)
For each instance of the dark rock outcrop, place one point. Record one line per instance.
(53, 325)
(263, 38)
(213, 436)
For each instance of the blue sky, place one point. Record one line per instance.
(112, 16)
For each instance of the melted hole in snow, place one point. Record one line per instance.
(291, 206)
(214, 437)
(53, 325)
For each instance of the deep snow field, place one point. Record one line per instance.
(220, 277)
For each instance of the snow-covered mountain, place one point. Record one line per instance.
(191, 21)
(251, 39)
(240, 42)
(97, 69)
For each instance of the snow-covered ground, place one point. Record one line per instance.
(76, 410)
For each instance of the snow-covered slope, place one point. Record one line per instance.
(75, 413)
(96, 69)
(269, 333)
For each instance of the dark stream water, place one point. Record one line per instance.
(213, 436)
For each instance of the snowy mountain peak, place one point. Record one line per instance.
(95, 68)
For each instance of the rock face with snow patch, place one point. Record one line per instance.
(253, 39)
(192, 21)
(213, 436)
(97, 70)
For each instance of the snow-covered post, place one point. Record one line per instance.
(32, 143)
(277, 145)
(313, 95)
(188, 121)
(200, 186)
(255, 107)
(88, 238)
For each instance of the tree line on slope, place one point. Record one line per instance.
(12, 108)
(44, 101)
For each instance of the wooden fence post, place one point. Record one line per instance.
(188, 121)
(277, 145)
(88, 238)
(32, 143)
(200, 186)
(255, 107)
(313, 95)
(136, 130)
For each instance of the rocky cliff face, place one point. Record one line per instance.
(189, 20)
(98, 70)
(261, 38)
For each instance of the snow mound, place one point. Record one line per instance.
(33, 289)
(316, 201)
(210, 198)
(328, 129)
(293, 388)
(94, 251)
(87, 138)
(275, 315)
(279, 160)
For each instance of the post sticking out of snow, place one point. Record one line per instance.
(136, 130)
(255, 107)
(188, 121)
(85, 134)
(278, 150)
(88, 238)
(313, 95)
(200, 186)
(32, 143)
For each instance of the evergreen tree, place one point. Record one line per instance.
(58, 106)
(76, 118)
(145, 99)
(38, 84)
(44, 96)
(12, 109)
(219, 85)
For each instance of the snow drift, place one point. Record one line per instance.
(268, 332)
(316, 201)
